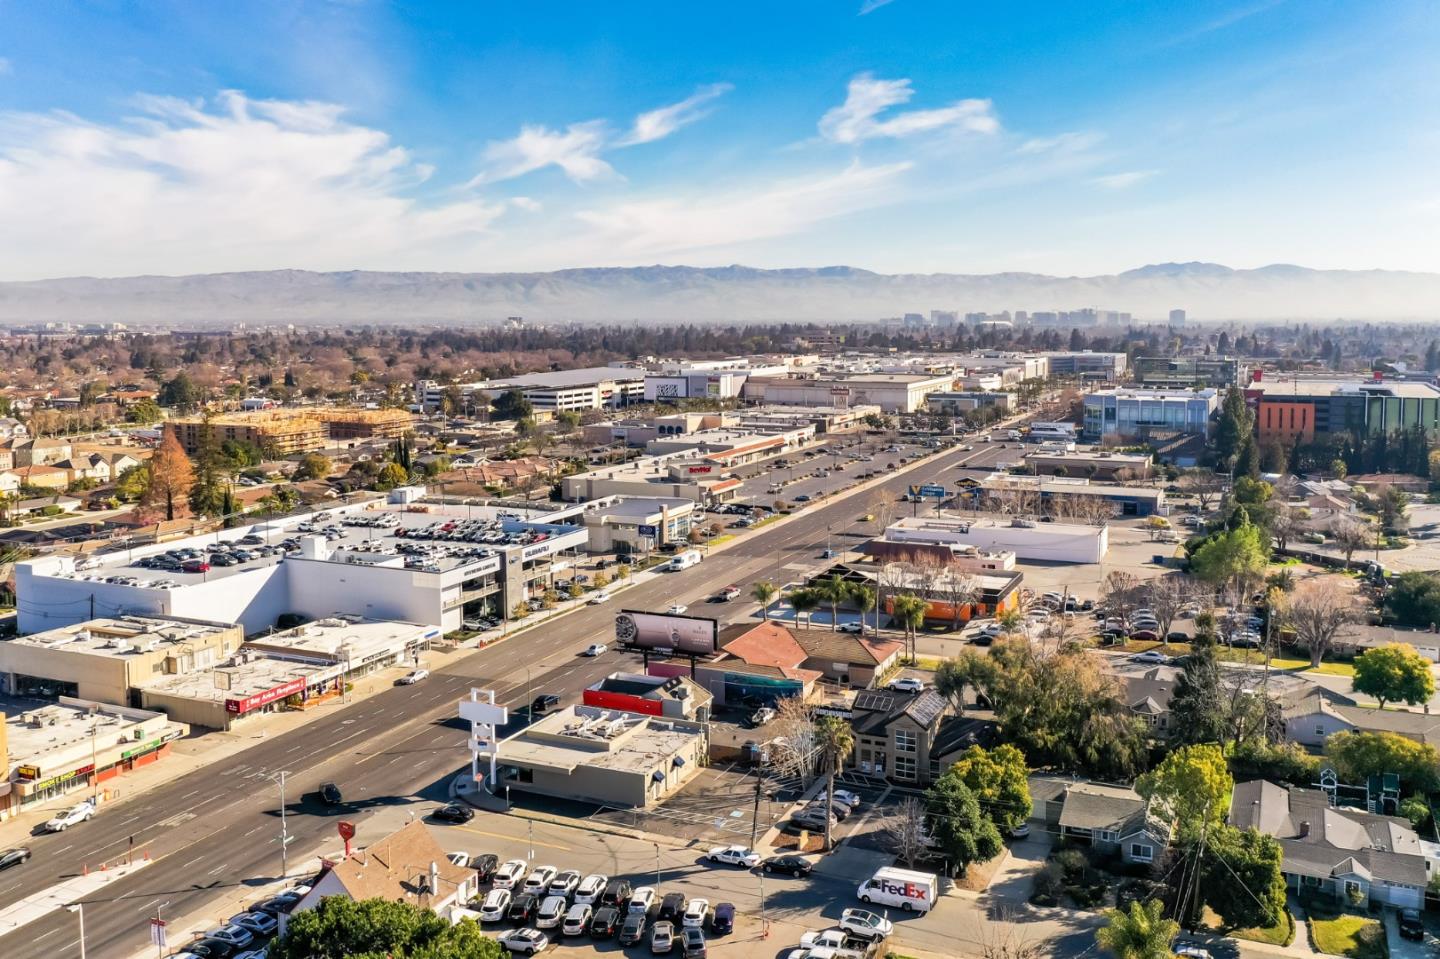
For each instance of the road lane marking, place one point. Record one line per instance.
(496, 835)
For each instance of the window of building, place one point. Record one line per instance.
(905, 741)
(905, 767)
(1141, 852)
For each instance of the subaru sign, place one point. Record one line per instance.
(651, 531)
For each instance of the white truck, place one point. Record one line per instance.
(684, 560)
(902, 888)
(836, 944)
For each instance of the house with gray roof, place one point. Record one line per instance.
(911, 738)
(1320, 715)
(1114, 819)
(1336, 850)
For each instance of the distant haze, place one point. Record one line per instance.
(723, 294)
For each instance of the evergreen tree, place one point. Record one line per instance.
(1235, 424)
(1197, 711)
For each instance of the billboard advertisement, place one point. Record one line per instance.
(662, 632)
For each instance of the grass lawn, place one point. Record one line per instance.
(1280, 935)
(931, 663)
(1335, 669)
(765, 522)
(722, 538)
(1355, 936)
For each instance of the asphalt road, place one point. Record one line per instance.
(218, 826)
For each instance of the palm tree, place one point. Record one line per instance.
(803, 601)
(835, 739)
(910, 610)
(764, 593)
(864, 599)
(833, 591)
(1141, 933)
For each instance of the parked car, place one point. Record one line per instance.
(662, 938)
(759, 717)
(237, 936)
(604, 922)
(697, 913)
(641, 900)
(510, 874)
(525, 941)
(722, 921)
(632, 930)
(496, 904)
(672, 906)
(866, 924)
(485, 865)
(906, 684)
(577, 920)
(790, 865)
(734, 856)
(539, 879)
(617, 893)
(590, 888)
(692, 944)
(564, 883)
(522, 907)
(1144, 635)
(454, 813)
(851, 628)
(551, 912)
(1411, 926)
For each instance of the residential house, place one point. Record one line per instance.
(12, 429)
(43, 477)
(406, 866)
(86, 466)
(910, 738)
(40, 451)
(1355, 638)
(1328, 505)
(1335, 850)
(7, 458)
(847, 658)
(1317, 717)
(1112, 819)
(66, 504)
(1148, 697)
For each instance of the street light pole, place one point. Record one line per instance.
(284, 834)
(79, 909)
(657, 865)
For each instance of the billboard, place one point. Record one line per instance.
(662, 632)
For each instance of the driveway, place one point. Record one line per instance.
(1009, 891)
(1407, 948)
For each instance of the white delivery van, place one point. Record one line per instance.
(684, 560)
(902, 888)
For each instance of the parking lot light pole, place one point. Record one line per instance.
(657, 865)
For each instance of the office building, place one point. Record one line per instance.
(1108, 367)
(953, 403)
(1187, 372)
(1299, 409)
(1177, 317)
(892, 392)
(1131, 414)
(1049, 542)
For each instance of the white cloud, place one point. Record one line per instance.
(233, 185)
(1072, 141)
(867, 97)
(526, 203)
(870, 6)
(1123, 181)
(660, 123)
(575, 151)
(6, 67)
(667, 226)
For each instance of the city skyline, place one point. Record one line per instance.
(903, 137)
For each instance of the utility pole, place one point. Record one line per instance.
(284, 833)
(79, 909)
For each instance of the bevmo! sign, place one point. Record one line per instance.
(269, 696)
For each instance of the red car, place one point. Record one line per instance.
(1147, 635)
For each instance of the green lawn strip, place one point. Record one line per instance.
(1278, 935)
(1334, 669)
(1357, 937)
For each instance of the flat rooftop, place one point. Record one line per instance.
(1086, 456)
(119, 637)
(1302, 386)
(335, 636)
(1140, 393)
(605, 738)
(559, 379)
(941, 524)
(235, 682)
(54, 727)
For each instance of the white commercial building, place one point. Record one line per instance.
(892, 392)
(1044, 542)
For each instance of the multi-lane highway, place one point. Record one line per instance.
(218, 826)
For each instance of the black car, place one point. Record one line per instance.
(212, 948)
(14, 857)
(1411, 927)
(617, 893)
(454, 812)
(330, 794)
(485, 866)
(604, 923)
(790, 865)
(672, 907)
(722, 921)
(544, 702)
(632, 932)
(278, 905)
(522, 907)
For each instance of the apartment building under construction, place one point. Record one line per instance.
(283, 432)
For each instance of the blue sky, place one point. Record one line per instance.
(905, 136)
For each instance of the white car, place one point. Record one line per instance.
(525, 941)
(851, 628)
(1150, 656)
(510, 874)
(677, 609)
(576, 920)
(595, 649)
(539, 879)
(461, 859)
(862, 922)
(641, 900)
(906, 684)
(590, 888)
(551, 911)
(564, 883)
(496, 904)
(697, 911)
(237, 936)
(847, 797)
(260, 923)
(598, 597)
(413, 677)
(734, 856)
(70, 817)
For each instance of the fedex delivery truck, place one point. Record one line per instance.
(903, 888)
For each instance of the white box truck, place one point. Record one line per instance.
(900, 888)
(684, 560)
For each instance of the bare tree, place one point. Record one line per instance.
(958, 589)
(1007, 939)
(1349, 534)
(1121, 592)
(1167, 596)
(1092, 510)
(1318, 611)
(1014, 497)
(1203, 484)
(1283, 523)
(882, 507)
(891, 579)
(905, 828)
(793, 747)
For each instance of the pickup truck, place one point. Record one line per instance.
(834, 944)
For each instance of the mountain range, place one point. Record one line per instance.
(839, 294)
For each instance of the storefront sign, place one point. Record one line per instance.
(62, 778)
(131, 753)
(241, 706)
(534, 551)
(27, 773)
(698, 469)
